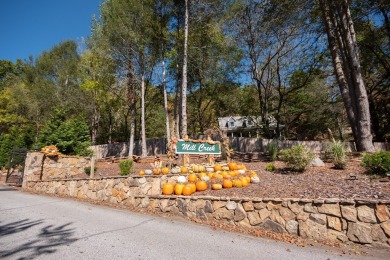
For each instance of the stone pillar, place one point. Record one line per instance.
(32, 167)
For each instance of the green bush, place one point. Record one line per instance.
(87, 170)
(377, 163)
(270, 167)
(69, 135)
(297, 157)
(272, 150)
(125, 166)
(337, 153)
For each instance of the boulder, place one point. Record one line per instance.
(311, 229)
(334, 223)
(254, 218)
(377, 233)
(248, 206)
(349, 213)
(330, 209)
(273, 226)
(286, 214)
(359, 232)
(292, 227)
(386, 227)
(231, 205)
(382, 212)
(318, 218)
(317, 162)
(366, 214)
(239, 213)
(264, 213)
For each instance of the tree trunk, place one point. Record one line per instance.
(144, 152)
(184, 80)
(109, 127)
(95, 125)
(131, 96)
(165, 102)
(353, 91)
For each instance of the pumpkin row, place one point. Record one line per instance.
(197, 168)
(201, 185)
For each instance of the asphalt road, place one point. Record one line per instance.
(43, 227)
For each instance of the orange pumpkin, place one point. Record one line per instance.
(253, 174)
(192, 177)
(217, 167)
(165, 171)
(141, 173)
(187, 190)
(167, 189)
(183, 170)
(193, 186)
(227, 184)
(233, 166)
(237, 183)
(156, 171)
(179, 188)
(216, 186)
(244, 182)
(201, 186)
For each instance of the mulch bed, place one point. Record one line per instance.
(314, 183)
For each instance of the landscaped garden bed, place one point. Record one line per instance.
(314, 182)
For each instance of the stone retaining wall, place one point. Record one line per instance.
(360, 221)
(39, 167)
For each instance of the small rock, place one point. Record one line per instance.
(382, 212)
(317, 162)
(366, 214)
(273, 226)
(318, 218)
(231, 205)
(360, 233)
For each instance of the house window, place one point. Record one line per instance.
(231, 123)
(249, 123)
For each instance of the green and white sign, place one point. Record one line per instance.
(187, 147)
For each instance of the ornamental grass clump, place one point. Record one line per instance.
(125, 167)
(297, 157)
(272, 150)
(337, 153)
(377, 163)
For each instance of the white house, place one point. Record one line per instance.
(240, 126)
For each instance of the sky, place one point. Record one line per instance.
(29, 27)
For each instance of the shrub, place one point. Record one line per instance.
(377, 163)
(125, 166)
(297, 157)
(272, 150)
(87, 170)
(69, 135)
(270, 167)
(337, 153)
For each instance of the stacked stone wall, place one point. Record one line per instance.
(359, 221)
(39, 167)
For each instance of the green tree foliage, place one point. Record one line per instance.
(70, 135)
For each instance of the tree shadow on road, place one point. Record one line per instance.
(18, 226)
(46, 242)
